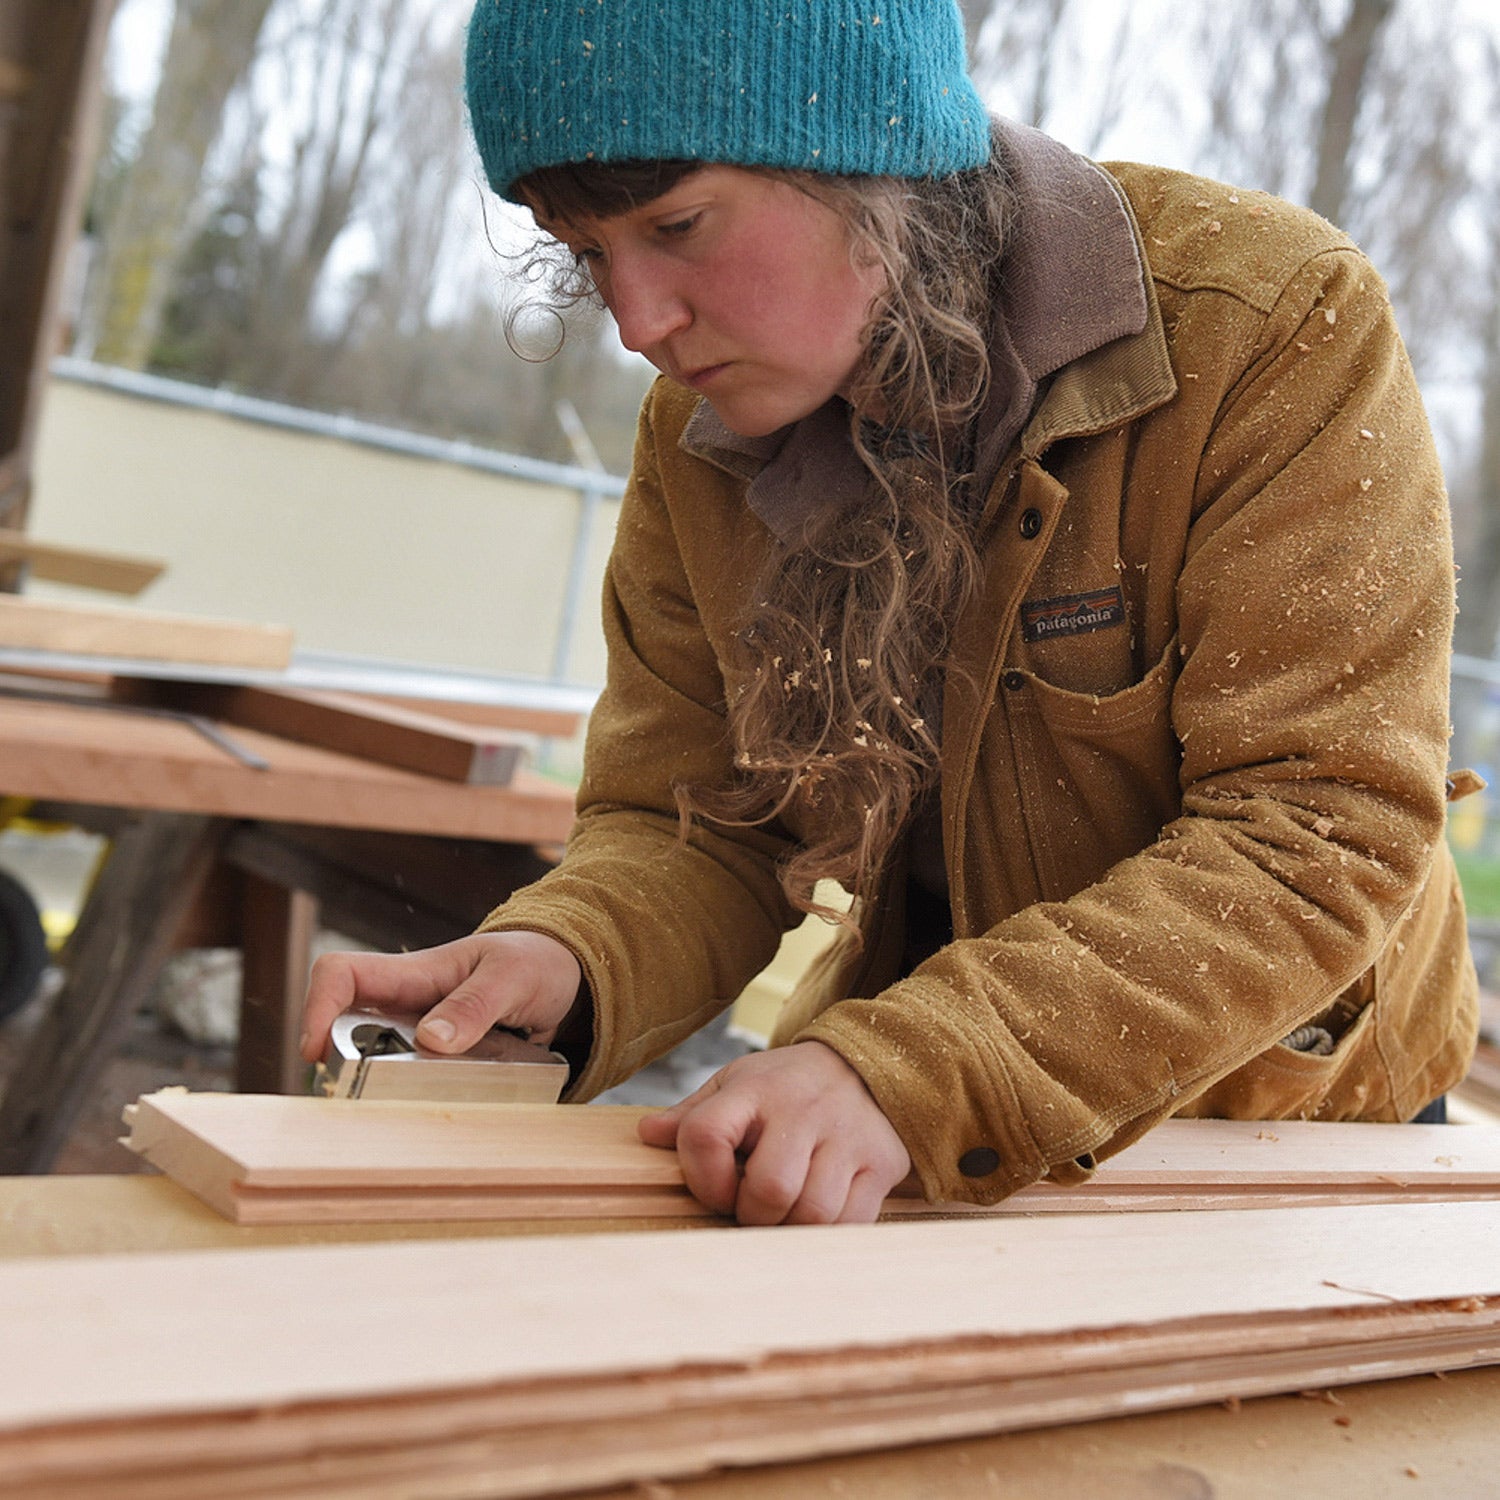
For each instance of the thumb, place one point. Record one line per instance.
(457, 1022)
(661, 1129)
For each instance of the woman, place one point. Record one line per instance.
(1057, 558)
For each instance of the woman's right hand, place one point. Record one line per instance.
(522, 979)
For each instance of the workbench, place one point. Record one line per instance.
(388, 857)
(1427, 1435)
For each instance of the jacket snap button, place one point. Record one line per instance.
(979, 1162)
(1031, 522)
(1015, 680)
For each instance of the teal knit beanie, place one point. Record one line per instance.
(846, 86)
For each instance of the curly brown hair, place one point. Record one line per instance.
(840, 666)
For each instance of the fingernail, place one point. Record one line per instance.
(438, 1029)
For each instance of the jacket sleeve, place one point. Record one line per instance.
(668, 930)
(1314, 606)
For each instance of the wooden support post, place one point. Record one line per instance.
(123, 937)
(51, 55)
(276, 930)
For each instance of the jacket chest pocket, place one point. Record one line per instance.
(1097, 773)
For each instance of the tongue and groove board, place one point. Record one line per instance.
(550, 1365)
(274, 1159)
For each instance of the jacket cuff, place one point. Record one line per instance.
(962, 1150)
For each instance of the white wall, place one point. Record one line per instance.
(356, 549)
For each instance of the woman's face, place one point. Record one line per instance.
(737, 285)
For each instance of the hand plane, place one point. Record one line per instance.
(373, 1055)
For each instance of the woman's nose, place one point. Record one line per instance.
(647, 305)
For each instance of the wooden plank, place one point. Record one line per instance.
(131, 1213)
(68, 628)
(288, 1160)
(113, 956)
(352, 724)
(561, 1379)
(390, 891)
(553, 723)
(74, 565)
(60, 753)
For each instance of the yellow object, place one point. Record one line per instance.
(1466, 821)
(753, 1017)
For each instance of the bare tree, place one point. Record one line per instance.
(1030, 54)
(337, 77)
(211, 45)
(975, 13)
(1351, 108)
(1351, 49)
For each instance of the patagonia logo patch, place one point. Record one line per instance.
(1073, 614)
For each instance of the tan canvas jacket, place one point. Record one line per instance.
(1194, 756)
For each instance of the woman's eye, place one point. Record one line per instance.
(677, 226)
(586, 255)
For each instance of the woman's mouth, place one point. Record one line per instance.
(704, 375)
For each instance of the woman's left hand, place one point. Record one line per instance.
(790, 1136)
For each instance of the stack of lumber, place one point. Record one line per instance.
(549, 1365)
(275, 1159)
(357, 724)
